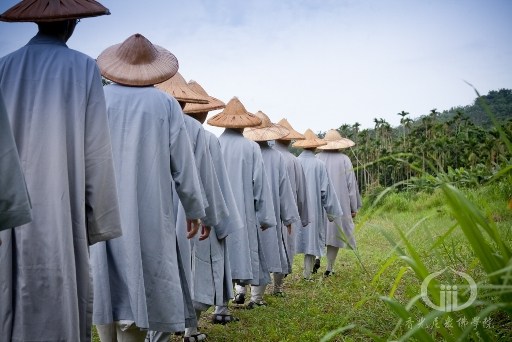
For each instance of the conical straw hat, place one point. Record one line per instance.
(311, 140)
(213, 103)
(53, 10)
(266, 130)
(137, 62)
(293, 135)
(178, 88)
(234, 116)
(335, 141)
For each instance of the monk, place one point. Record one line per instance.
(56, 107)
(285, 209)
(322, 201)
(138, 281)
(253, 197)
(341, 172)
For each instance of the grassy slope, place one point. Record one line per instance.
(351, 296)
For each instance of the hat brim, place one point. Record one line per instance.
(234, 120)
(161, 69)
(213, 104)
(273, 132)
(337, 145)
(293, 135)
(40, 11)
(309, 143)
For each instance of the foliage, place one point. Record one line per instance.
(476, 222)
(350, 298)
(500, 103)
(458, 144)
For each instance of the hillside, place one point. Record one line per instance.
(499, 102)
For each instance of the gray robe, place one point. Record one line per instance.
(137, 277)
(285, 210)
(212, 282)
(341, 172)
(216, 209)
(15, 208)
(298, 183)
(322, 202)
(253, 199)
(56, 107)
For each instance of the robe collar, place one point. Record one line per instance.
(40, 38)
(307, 154)
(280, 147)
(232, 132)
(264, 146)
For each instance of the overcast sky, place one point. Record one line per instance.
(319, 63)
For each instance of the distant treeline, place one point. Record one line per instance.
(462, 144)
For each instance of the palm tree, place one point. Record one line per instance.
(355, 131)
(402, 122)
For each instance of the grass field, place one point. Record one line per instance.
(349, 302)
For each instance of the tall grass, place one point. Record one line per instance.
(348, 306)
(474, 244)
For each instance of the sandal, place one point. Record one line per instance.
(316, 266)
(239, 298)
(195, 337)
(223, 318)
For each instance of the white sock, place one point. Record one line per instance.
(222, 310)
(240, 289)
(278, 282)
(332, 253)
(190, 331)
(257, 293)
(309, 259)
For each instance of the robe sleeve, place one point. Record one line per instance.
(102, 208)
(193, 138)
(183, 167)
(261, 192)
(302, 198)
(15, 207)
(353, 192)
(216, 209)
(289, 212)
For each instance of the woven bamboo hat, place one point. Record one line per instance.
(266, 130)
(213, 103)
(310, 141)
(137, 62)
(293, 135)
(335, 141)
(234, 116)
(53, 10)
(178, 88)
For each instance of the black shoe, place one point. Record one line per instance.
(223, 319)
(316, 266)
(239, 298)
(253, 305)
(328, 273)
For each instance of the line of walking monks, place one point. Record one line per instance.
(118, 209)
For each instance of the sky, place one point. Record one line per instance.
(318, 63)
